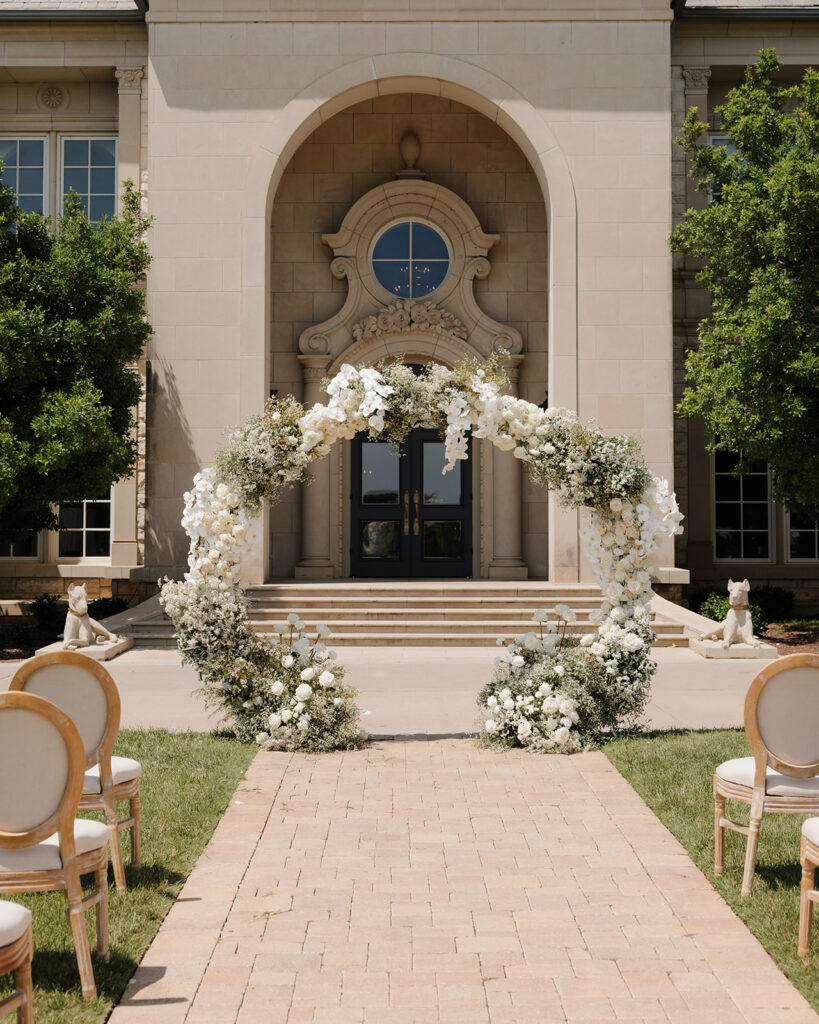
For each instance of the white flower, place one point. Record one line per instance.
(500, 641)
(303, 723)
(561, 735)
(292, 618)
(274, 722)
(262, 738)
(541, 615)
(490, 725)
(277, 687)
(492, 702)
(287, 714)
(509, 704)
(559, 670)
(288, 661)
(304, 692)
(307, 674)
(281, 628)
(518, 661)
(524, 730)
(326, 678)
(322, 630)
(563, 611)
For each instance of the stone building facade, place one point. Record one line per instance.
(277, 145)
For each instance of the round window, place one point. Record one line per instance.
(410, 259)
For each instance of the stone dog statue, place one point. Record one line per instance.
(80, 629)
(737, 628)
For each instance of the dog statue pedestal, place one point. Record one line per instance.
(714, 649)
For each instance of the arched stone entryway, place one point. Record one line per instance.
(457, 82)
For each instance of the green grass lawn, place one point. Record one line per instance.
(672, 772)
(187, 781)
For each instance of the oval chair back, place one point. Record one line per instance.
(42, 764)
(84, 690)
(782, 717)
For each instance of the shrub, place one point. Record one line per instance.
(46, 610)
(16, 634)
(716, 606)
(775, 602)
(105, 606)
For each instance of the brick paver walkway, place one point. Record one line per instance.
(432, 881)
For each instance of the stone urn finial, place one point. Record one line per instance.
(410, 149)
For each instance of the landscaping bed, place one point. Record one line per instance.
(672, 772)
(188, 779)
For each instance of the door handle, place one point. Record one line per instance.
(406, 513)
(415, 524)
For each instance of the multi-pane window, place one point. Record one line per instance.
(803, 537)
(24, 170)
(731, 147)
(89, 167)
(21, 547)
(742, 510)
(410, 259)
(85, 529)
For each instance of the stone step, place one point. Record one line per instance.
(364, 639)
(390, 614)
(487, 629)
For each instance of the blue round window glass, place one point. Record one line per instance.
(410, 260)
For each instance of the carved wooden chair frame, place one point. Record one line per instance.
(809, 858)
(16, 957)
(755, 796)
(74, 865)
(106, 800)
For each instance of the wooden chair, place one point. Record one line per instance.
(84, 689)
(15, 955)
(782, 726)
(43, 845)
(809, 858)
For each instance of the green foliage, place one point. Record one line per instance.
(672, 772)
(715, 606)
(776, 602)
(45, 608)
(72, 324)
(16, 634)
(754, 379)
(105, 606)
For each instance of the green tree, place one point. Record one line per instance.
(72, 324)
(754, 379)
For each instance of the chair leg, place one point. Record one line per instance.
(76, 916)
(805, 903)
(750, 854)
(22, 981)
(136, 832)
(719, 833)
(101, 875)
(115, 843)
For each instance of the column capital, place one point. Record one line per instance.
(314, 367)
(130, 78)
(696, 78)
(510, 364)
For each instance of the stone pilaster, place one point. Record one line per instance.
(507, 502)
(315, 560)
(696, 95)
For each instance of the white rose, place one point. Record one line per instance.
(303, 723)
(326, 678)
(509, 704)
(298, 708)
(307, 674)
(274, 721)
(518, 662)
(492, 702)
(566, 706)
(287, 714)
(598, 649)
(261, 738)
(304, 692)
(559, 670)
(561, 735)
(524, 730)
(288, 661)
(490, 725)
(277, 687)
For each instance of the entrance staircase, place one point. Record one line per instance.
(459, 613)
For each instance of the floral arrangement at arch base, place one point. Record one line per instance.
(549, 693)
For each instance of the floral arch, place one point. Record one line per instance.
(548, 693)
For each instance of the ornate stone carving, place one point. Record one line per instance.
(52, 97)
(696, 78)
(130, 79)
(405, 315)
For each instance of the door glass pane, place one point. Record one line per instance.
(440, 488)
(380, 539)
(442, 539)
(379, 473)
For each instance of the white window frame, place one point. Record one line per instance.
(38, 557)
(788, 557)
(85, 559)
(724, 560)
(43, 137)
(62, 137)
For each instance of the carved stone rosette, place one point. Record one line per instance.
(406, 315)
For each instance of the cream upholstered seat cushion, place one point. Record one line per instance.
(45, 856)
(14, 920)
(740, 771)
(810, 830)
(123, 769)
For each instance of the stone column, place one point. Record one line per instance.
(124, 497)
(507, 502)
(315, 560)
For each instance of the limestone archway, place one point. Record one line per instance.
(487, 94)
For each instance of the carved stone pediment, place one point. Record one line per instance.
(448, 323)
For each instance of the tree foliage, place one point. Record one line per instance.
(755, 377)
(72, 324)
